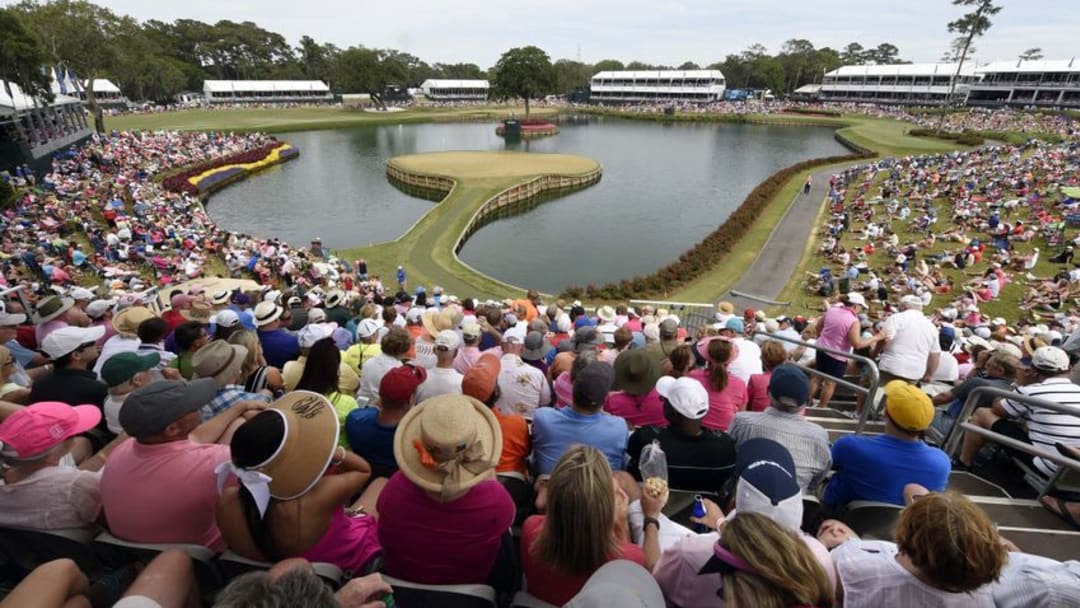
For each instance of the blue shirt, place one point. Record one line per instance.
(877, 468)
(279, 347)
(371, 440)
(555, 430)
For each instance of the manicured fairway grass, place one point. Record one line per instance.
(427, 249)
(279, 120)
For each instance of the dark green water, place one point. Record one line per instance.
(664, 188)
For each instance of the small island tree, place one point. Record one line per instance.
(525, 72)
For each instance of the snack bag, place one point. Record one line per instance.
(653, 467)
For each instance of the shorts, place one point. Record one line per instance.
(1013, 430)
(136, 601)
(827, 364)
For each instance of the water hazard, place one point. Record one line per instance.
(665, 187)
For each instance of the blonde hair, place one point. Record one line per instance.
(578, 535)
(249, 340)
(786, 571)
(951, 541)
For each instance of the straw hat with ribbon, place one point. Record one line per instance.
(297, 463)
(199, 311)
(448, 444)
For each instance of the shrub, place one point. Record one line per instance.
(178, 182)
(7, 194)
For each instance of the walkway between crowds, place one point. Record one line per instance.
(779, 259)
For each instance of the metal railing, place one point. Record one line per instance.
(691, 314)
(955, 436)
(870, 391)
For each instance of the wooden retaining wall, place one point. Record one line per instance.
(511, 201)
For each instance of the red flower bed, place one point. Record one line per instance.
(179, 181)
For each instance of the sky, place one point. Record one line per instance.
(653, 31)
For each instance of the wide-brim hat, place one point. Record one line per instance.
(334, 298)
(606, 313)
(448, 444)
(199, 311)
(311, 438)
(636, 372)
(127, 320)
(436, 321)
(52, 307)
(266, 313)
(220, 297)
(218, 360)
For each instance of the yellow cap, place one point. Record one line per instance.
(908, 406)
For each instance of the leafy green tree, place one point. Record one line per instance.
(607, 65)
(363, 70)
(459, 71)
(524, 72)
(79, 35)
(571, 75)
(22, 57)
(853, 54)
(885, 54)
(688, 65)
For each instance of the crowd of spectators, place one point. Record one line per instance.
(407, 436)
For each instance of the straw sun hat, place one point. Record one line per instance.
(307, 448)
(448, 444)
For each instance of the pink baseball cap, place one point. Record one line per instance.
(40, 427)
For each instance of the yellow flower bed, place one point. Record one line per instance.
(272, 158)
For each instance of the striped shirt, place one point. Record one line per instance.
(1048, 427)
(807, 442)
(1031, 580)
(872, 578)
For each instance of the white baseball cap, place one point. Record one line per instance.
(856, 298)
(66, 339)
(686, 395)
(1050, 359)
(98, 308)
(316, 315)
(447, 340)
(226, 318)
(515, 334)
(367, 328)
(312, 333)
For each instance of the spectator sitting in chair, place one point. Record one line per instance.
(370, 430)
(1000, 370)
(1044, 376)
(878, 467)
(697, 459)
(783, 421)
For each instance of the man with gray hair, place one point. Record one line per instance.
(783, 422)
(910, 350)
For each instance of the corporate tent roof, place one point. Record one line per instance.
(18, 101)
(903, 69)
(1042, 65)
(264, 86)
(659, 74)
(438, 83)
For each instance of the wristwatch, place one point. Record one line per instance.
(651, 520)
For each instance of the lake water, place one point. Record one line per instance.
(665, 187)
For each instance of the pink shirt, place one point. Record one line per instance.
(51, 498)
(640, 410)
(164, 493)
(758, 390)
(834, 332)
(466, 358)
(442, 543)
(723, 405)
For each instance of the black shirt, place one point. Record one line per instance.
(701, 463)
(70, 386)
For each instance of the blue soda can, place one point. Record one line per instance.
(699, 511)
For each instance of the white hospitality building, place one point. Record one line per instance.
(455, 90)
(266, 91)
(907, 84)
(1042, 83)
(697, 86)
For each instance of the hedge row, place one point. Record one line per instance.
(965, 138)
(813, 111)
(178, 182)
(710, 251)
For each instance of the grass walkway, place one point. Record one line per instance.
(427, 248)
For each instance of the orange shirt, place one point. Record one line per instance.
(516, 442)
(415, 331)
